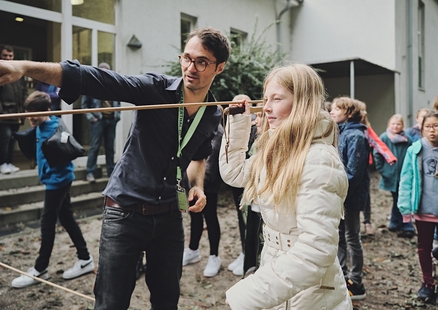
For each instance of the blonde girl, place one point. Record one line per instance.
(298, 180)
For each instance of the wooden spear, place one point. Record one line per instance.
(129, 108)
(47, 282)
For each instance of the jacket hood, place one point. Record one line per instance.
(352, 125)
(321, 134)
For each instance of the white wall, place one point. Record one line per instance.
(332, 30)
(157, 25)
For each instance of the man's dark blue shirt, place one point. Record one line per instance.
(146, 172)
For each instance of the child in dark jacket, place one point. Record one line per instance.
(398, 142)
(354, 150)
(57, 204)
(382, 149)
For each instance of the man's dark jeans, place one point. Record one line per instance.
(57, 205)
(124, 236)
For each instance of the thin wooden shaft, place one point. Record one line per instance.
(47, 282)
(127, 108)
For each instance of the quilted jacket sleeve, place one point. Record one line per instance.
(404, 202)
(235, 170)
(319, 208)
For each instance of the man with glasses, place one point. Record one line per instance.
(143, 197)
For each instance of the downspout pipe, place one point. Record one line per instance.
(278, 26)
(410, 65)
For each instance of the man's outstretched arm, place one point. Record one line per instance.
(13, 70)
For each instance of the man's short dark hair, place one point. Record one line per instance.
(214, 41)
(37, 101)
(9, 48)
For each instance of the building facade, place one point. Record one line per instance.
(382, 52)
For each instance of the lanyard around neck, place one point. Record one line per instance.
(183, 142)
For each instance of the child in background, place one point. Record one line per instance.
(415, 131)
(419, 194)
(383, 149)
(212, 183)
(57, 204)
(398, 142)
(354, 150)
(254, 236)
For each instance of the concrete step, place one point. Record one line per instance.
(29, 177)
(32, 211)
(17, 196)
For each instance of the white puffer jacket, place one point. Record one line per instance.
(299, 266)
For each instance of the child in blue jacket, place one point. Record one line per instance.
(419, 195)
(58, 180)
(354, 150)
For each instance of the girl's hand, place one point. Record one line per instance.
(244, 104)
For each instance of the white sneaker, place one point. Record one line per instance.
(237, 262)
(213, 266)
(24, 281)
(191, 257)
(13, 168)
(5, 169)
(238, 271)
(81, 267)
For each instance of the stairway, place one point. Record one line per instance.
(22, 196)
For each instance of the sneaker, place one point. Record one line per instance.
(80, 268)
(213, 266)
(24, 281)
(237, 262)
(5, 169)
(356, 291)
(426, 292)
(369, 230)
(90, 178)
(238, 271)
(191, 257)
(250, 271)
(13, 168)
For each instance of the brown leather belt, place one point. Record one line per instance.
(143, 208)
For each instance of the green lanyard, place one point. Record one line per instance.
(183, 142)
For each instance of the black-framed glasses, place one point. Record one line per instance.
(200, 64)
(429, 127)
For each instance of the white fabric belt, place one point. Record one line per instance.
(278, 240)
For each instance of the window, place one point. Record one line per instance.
(188, 23)
(238, 37)
(52, 5)
(421, 34)
(101, 11)
(82, 45)
(105, 48)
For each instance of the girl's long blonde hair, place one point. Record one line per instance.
(281, 153)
